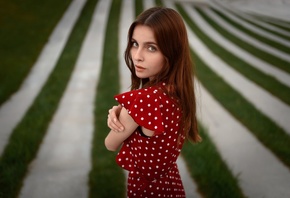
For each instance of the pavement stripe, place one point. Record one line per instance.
(148, 4)
(254, 20)
(258, 170)
(127, 17)
(275, 11)
(265, 102)
(252, 27)
(283, 24)
(12, 111)
(232, 147)
(252, 60)
(247, 38)
(236, 145)
(63, 161)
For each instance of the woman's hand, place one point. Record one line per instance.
(113, 119)
(115, 138)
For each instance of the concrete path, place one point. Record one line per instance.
(56, 172)
(259, 172)
(254, 20)
(243, 153)
(251, 27)
(262, 100)
(148, 3)
(252, 60)
(12, 111)
(239, 148)
(249, 39)
(127, 17)
(278, 9)
(64, 160)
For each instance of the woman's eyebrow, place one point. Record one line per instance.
(146, 42)
(150, 43)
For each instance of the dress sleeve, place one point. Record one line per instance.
(145, 108)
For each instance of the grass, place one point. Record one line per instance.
(279, 26)
(259, 37)
(266, 131)
(267, 57)
(106, 178)
(23, 35)
(275, 22)
(28, 134)
(138, 7)
(265, 81)
(255, 23)
(206, 166)
(286, 37)
(158, 3)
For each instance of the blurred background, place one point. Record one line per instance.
(61, 63)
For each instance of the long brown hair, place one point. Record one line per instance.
(171, 36)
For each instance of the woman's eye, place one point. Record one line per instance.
(134, 44)
(152, 48)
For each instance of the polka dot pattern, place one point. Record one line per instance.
(151, 161)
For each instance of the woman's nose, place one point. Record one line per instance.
(138, 55)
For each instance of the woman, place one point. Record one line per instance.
(159, 113)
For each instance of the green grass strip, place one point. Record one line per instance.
(266, 131)
(138, 7)
(258, 25)
(279, 26)
(267, 57)
(259, 37)
(158, 3)
(206, 166)
(25, 28)
(106, 178)
(274, 21)
(265, 81)
(28, 135)
(286, 37)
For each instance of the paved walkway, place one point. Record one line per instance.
(14, 109)
(62, 165)
(252, 60)
(264, 101)
(54, 171)
(249, 39)
(235, 143)
(278, 9)
(251, 27)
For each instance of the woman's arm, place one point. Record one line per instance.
(115, 139)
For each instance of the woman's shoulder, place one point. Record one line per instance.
(155, 93)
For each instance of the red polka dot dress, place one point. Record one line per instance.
(151, 161)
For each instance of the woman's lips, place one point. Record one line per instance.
(139, 68)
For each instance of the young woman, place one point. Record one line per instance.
(159, 113)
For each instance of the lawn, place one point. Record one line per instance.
(205, 164)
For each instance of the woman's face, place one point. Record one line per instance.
(147, 58)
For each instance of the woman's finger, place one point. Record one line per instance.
(113, 116)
